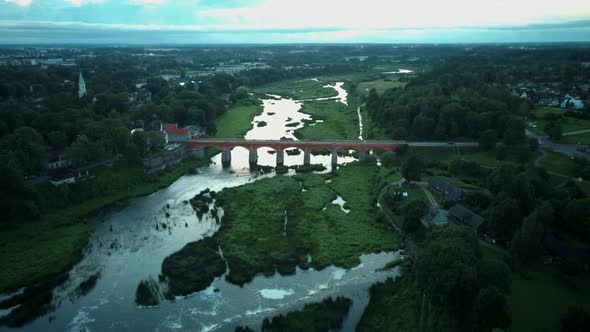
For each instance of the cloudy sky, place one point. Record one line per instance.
(292, 21)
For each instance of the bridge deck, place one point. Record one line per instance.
(306, 145)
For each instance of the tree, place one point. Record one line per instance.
(26, 147)
(577, 216)
(554, 130)
(505, 219)
(445, 268)
(79, 152)
(388, 159)
(413, 212)
(488, 139)
(412, 168)
(491, 310)
(493, 272)
(242, 93)
(402, 149)
(533, 144)
(575, 320)
(526, 244)
(57, 139)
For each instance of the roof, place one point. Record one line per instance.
(448, 190)
(467, 216)
(172, 129)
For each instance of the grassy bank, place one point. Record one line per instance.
(273, 225)
(35, 251)
(298, 89)
(236, 121)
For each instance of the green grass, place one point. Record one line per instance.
(380, 85)
(237, 121)
(568, 124)
(254, 235)
(542, 111)
(35, 251)
(339, 121)
(537, 304)
(298, 89)
(558, 163)
(583, 139)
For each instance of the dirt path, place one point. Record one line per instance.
(577, 132)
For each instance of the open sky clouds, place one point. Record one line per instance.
(269, 21)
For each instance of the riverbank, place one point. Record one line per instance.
(37, 251)
(302, 227)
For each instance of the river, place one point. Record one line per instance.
(128, 246)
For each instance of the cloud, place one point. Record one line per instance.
(22, 3)
(81, 2)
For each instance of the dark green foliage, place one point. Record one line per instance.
(488, 139)
(575, 320)
(316, 317)
(147, 293)
(526, 244)
(554, 130)
(492, 272)
(193, 268)
(504, 220)
(491, 310)
(445, 268)
(413, 212)
(412, 168)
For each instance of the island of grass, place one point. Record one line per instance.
(261, 124)
(327, 315)
(339, 121)
(272, 225)
(298, 89)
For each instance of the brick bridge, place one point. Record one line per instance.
(226, 145)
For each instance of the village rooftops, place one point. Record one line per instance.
(448, 191)
(466, 216)
(172, 129)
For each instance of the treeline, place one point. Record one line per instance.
(327, 315)
(453, 102)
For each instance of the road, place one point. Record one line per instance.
(577, 132)
(569, 150)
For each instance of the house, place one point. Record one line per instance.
(556, 246)
(174, 134)
(58, 160)
(524, 95)
(196, 131)
(466, 216)
(66, 176)
(572, 103)
(551, 102)
(446, 190)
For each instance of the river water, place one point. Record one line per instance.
(129, 246)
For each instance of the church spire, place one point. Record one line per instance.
(81, 86)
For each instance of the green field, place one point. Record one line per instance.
(568, 124)
(558, 163)
(298, 89)
(237, 121)
(538, 301)
(339, 121)
(583, 139)
(380, 85)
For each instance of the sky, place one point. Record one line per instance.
(292, 21)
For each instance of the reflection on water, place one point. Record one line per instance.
(130, 245)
